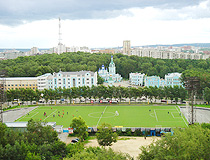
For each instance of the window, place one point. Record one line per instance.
(74, 82)
(29, 84)
(87, 79)
(12, 85)
(23, 85)
(19, 84)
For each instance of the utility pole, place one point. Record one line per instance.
(192, 84)
(2, 94)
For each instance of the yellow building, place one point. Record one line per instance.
(20, 82)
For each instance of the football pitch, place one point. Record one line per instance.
(123, 116)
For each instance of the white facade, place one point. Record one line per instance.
(136, 79)
(42, 81)
(67, 80)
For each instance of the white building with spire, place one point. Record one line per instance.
(109, 75)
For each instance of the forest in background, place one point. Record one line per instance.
(31, 66)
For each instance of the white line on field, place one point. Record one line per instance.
(50, 115)
(156, 115)
(172, 115)
(101, 116)
(182, 116)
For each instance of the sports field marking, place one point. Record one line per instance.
(92, 115)
(50, 115)
(174, 116)
(33, 115)
(101, 116)
(152, 115)
(182, 117)
(156, 116)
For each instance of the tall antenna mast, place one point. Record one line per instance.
(59, 37)
(59, 34)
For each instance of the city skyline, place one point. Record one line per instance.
(103, 24)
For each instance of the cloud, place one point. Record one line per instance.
(15, 12)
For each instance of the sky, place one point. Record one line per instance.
(103, 23)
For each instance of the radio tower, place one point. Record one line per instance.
(59, 37)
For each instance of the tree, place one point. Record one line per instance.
(105, 135)
(207, 94)
(100, 80)
(39, 134)
(80, 127)
(188, 143)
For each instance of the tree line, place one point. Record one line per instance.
(31, 66)
(40, 142)
(98, 92)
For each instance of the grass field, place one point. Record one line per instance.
(129, 116)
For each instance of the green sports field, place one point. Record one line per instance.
(126, 116)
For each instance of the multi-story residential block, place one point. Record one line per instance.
(166, 54)
(127, 47)
(20, 82)
(136, 79)
(173, 79)
(34, 51)
(78, 49)
(110, 75)
(67, 80)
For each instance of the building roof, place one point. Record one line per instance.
(24, 124)
(75, 73)
(19, 78)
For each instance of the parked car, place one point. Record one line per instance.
(41, 101)
(75, 140)
(162, 100)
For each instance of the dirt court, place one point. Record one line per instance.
(130, 146)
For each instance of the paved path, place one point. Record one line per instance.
(202, 114)
(14, 114)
